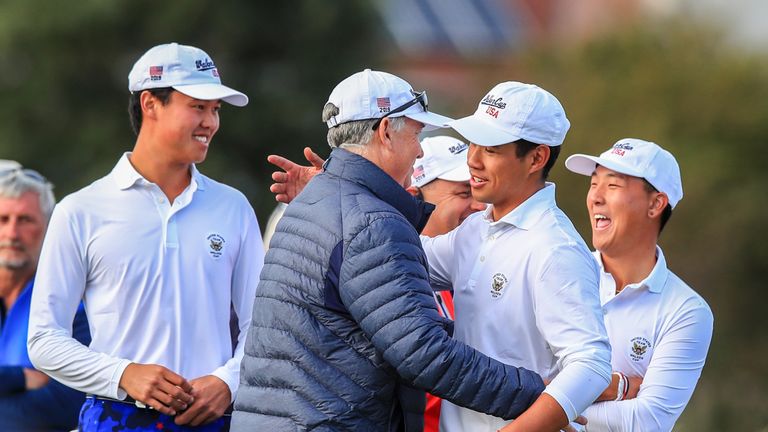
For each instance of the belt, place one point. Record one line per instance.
(127, 401)
(138, 404)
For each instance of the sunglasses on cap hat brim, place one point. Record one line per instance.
(420, 98)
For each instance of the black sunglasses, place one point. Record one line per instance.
(30, 173)
(419, 98)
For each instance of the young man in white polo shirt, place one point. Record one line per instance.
(659, 328)
(158, 252)
(525, 284)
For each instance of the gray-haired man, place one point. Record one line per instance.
(26, 202)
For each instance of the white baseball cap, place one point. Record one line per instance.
(184, 68)
(373, 94)
(512, 111)
(636, 158)
(445, 158)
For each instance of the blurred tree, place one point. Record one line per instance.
(64, 84)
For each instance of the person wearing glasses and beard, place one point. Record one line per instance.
(345, 328)
(26, 203)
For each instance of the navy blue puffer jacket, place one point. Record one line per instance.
(344, 315)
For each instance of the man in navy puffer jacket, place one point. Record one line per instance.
(344, 323)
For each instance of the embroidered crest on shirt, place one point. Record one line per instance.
(498, 282)
(215, 245)
(639, 348)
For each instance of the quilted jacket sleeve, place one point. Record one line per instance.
(385, 286)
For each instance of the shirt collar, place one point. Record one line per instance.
(355, 168)
(655, 281)
(529, 212)
(126, 175)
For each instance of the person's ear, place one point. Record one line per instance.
(384, 133)
(539, 157)
(657, 205)
(148, 104)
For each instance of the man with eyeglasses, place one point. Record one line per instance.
(345, 326)
(26, 202)
(159, 253)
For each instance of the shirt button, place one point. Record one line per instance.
(161, 200)
(482, 258)
(605, 310)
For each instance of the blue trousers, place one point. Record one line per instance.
(99, 415)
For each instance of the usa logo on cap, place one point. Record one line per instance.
(621, 148)
(494, 105)
(155, 73)
(383, 104)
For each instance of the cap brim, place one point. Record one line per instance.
(432, 121)
(481, 133)
(585, 165)
(458, 174)
(214, 92)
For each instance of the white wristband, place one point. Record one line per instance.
(622, 387)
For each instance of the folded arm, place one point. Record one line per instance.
(669, 382)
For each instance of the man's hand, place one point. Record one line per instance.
(34, 379)
(293, 177)
(157, 387)
(545, 414)
(212, 397)
(580, 420)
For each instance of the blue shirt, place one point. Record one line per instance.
(52, 407)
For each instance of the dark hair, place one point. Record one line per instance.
(524, 147)
(666, 213)
(134, 104)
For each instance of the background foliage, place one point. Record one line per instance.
(63, 88)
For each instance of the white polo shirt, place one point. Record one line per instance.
(157, 281)
(525, 293)
(659, 329)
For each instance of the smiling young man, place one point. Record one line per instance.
(659, 328)
(525, 284)
(158, 252)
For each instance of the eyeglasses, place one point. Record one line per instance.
(419, 98)
(30, 173)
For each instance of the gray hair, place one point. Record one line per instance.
(16, 183)
(356, 133)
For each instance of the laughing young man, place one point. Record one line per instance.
(158, 252)
(659, 328)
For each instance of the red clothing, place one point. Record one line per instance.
(444, 301)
